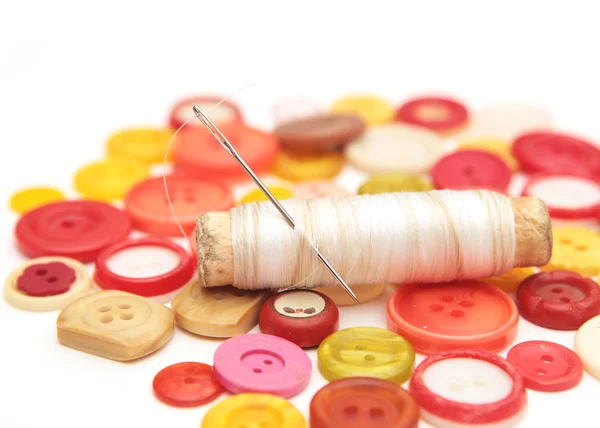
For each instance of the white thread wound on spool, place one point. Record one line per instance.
(432, 236)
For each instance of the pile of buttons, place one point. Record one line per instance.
(124, 225)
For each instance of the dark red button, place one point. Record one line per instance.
(48, 279)
(561, 300)
(546, 366)
(554, 153)
(303, 317)
(471, 169)
(76, 229)
(438, 114)
(186, 385)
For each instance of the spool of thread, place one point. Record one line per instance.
(435, 236)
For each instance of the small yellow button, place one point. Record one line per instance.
(498, 147)
(146, 145)
(109, 179)
(390, 183)
(510, 280)
(373, 110)
(576, 249)
(28, 199)
(258, 195)
(301, 167)
(366, 351)
(254, 411)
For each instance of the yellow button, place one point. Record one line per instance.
(146, 145)
(366, 351)
(373, 110)
(510, 281)
(254, 411)
(498, 147)
(258, 195)
(301, 167)
(33, 197)
(576, 249)
(109, 179)
(364, 292)
(389, 183)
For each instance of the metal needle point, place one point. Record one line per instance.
(209, 124)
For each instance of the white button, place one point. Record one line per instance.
(587, 346)
(143, 261)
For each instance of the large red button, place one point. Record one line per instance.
(440, 317)
(148, 206)
(48, 279)
(186, 385)
(303, 317)
(546, 366)
(561, 300)
(471, 169)
(442, 115)
(363, 402)
(76, 229)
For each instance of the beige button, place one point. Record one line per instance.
(115, 325)
(587, 346)
(365, 293)
(217, 311)
(17, 298)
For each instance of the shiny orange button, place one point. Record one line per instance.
(363, 402)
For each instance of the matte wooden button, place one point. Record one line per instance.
(365, 293)
(217, 311)
(115, 325)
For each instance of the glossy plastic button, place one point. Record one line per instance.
(109, 179)
(566, 196)
(254, 411)
(373, 110)
(395, 148)
(507, 120)
(364, 292)
(186, 385)
(510, 280)
(318, 189)
(546, 366)
(471, 168)
(576, 249)
(391, 183)
(496, 146)
(148, 206)
(145, 145)
(149, 266)
(587, 346)
(363, 402)
(560, 300)
(258, 195)
(554, 153)
(262, 363)
(295, 108)
(442, 115)
(366, 351)
(464, 388)
(46, 284)
(299, 167)
(303, 317)
(76, 229)
(225, 112)
(440, 317)
(28, 199)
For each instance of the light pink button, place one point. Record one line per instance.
(262, 363)
(318, 189)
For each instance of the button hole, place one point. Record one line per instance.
(104, 309)
(565, 299)
(268, 362)
(541, 371)
(126, 317)
(257, 371)
(376, 413)
(41, 272)
(547, 358)
(370, 357)
(106, 319)
(456, 313)
(52, 279)
(351, 411)
(189, 380)
(557, 290)
(436, 307)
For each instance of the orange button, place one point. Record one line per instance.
(363, 402)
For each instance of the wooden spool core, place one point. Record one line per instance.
(215, 256)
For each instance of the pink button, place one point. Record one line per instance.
(262, 363)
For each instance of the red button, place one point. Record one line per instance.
(363, 402)
(148, 206)
(554, 153)
(560, 300)
(47, 279)
(440, 317)
(76, 229)
(546, 366)
(186, 385)
(150, 266)
(471, 169)
(225, 112)
(303, 317)
(441, 115)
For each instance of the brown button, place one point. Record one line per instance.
(320, 132)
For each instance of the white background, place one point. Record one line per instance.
(71, 73)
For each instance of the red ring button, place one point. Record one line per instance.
(363, 402)
(48, 279)
(186, 385)
(442, 115)
(303, 317)
(546, 366)
(560, 300)
(462, 314)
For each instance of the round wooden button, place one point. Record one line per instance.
(303, 317)
(186, 385)
(363, 402)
